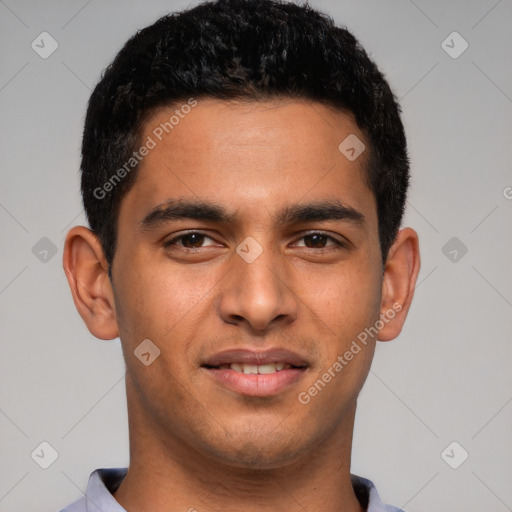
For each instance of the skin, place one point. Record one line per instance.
(193, 442)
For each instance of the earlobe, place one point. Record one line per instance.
(87, 274)
(400, 275)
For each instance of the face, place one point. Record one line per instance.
(248, 253)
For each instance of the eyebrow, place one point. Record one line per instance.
(185, 209)
(318, 211)
(208, 211)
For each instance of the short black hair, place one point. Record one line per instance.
(245, 50)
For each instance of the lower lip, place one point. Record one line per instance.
(256, 384)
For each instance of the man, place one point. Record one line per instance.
(244, 174)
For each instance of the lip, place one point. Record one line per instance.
(255, 357)
(256, 384)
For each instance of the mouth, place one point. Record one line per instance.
(255, 369)
(254, 373)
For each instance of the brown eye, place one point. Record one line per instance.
(319, 241)
(193, 240)
(316, 241)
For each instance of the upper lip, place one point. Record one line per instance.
(245, 356)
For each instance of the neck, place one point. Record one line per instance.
(171, 476)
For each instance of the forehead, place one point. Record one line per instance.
(257, 156)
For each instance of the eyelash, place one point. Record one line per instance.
(336, 242)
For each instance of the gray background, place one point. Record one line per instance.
(446, 378)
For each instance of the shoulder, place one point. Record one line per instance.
(77, 506)
(367, 494)
(100, 488)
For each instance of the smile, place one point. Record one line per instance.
(253, 369)
(256, 373)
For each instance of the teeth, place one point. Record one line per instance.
(267, 368)
(253, 369)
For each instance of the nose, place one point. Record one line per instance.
(259, 294)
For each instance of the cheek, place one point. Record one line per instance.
(163, 303)
(343, 309)
(346, 301)
(157, 307)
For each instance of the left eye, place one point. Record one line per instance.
(189, 240)
(318, 241)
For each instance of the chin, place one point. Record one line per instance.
(262, 451)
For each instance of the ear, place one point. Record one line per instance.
(87, 272)
(400, 275)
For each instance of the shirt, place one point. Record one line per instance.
(103, 482)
